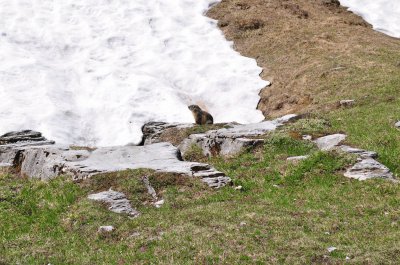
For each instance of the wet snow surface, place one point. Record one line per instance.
(92, 72)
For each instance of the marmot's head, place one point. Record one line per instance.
(194, 108)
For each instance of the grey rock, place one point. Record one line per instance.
(397, 124)
(159, 203)
(347, 102)
(116, 201)
(106, 229)
(26, 136)
(297, 158)
(49, 161)
(152, 130)
(368, 168)
(360, 152)
(330, 141)
(331, 249)
(230, 141)
(307, 137)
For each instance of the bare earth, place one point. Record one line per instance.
(314, 52)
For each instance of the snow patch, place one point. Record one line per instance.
(93, 72)
(384, 15)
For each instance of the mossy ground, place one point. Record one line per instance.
(285, 213)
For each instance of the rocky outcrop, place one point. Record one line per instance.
(365, 168)
(359, 152)
(368, 168)
(230, 141)
(116, 202)
(24, 137)
(45, 160)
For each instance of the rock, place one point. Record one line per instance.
(159, 203)
(307, 137)
(117, 202)
(397, 124)
(106, 229)
(331, 249)
(230, 141)
(297, 158)
(238, 188)
(49, 161)
(347, 102)
(243, 223)
(135, 234)
(21, 136)
(153, 130)
(330, 141)
(368, 168)
(360, 152)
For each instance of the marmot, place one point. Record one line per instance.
(201, 117)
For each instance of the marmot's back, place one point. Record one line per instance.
(201, 117)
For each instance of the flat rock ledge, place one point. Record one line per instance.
(116, 202)
(225, 141)
(366, 167)
(43, 159)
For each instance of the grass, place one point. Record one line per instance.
(286, 213)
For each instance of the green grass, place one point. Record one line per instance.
(370, 123)
(286, 213)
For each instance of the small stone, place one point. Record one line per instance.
(276, 186)
(238, 188)
(331, 249)
(297, 158)
(117, 201)
(347, 258)
(327, 233)
(106, 229)
(243, 223)
(347, 102)
(159, 203)
(135, 234)
(307, 137)
(397, 124)
(330, 141)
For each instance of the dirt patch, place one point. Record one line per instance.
(313, 52)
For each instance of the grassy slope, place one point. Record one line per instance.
(311, 207)
(317, 60)
(292, 214)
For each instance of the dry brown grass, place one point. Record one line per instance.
(314, 52)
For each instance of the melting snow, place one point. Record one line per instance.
(92, 72)
(384, 15)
